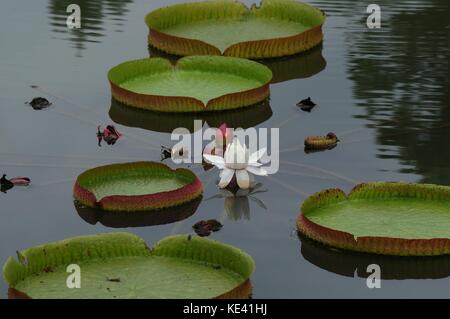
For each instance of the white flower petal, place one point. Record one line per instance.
(260, 171)
(225, 177)
(255, 164)
(215, 160)
(255, 157)
(243, 179)
(236, 155)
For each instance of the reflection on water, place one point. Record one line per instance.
(401, 81)
(299, 66)
(138, 219)
(167, 122)
(345, 263)
(94, 16)
(237, 202)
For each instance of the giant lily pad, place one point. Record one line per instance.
(138, 186)
(298, 66)
(120, 265)
(382, 218)
(276, 28)
(194, 84)
(138, 219)
(167, 122)
(349, 263)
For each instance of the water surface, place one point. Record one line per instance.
(384, 92)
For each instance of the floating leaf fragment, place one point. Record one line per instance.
(39, 103)
(306, 105)
(321, 142)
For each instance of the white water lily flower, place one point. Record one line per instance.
(237, 161)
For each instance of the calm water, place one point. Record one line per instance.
(385, 93)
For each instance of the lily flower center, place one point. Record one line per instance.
(236, 156)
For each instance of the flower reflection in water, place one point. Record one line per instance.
(237, 201)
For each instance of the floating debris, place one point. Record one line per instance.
(99, 136)
(204, 228)
(165, 153)
(110, 135)
(306, 105)
(20, 181)
(174, 153)
(317, 143)
(39, 103)
(7, 184)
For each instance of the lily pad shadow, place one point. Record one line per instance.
(167, 122)
(346, 263)
(138, 219)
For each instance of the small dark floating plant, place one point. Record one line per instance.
(174, 153)
(306, 105)
(166, 153)
(130, 269)
(204, 228)
(39, 103)
(139, 186)
(388, 218)
(110, 135)
(7, 184)
(315, 143)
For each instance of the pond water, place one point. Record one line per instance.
(385, 93)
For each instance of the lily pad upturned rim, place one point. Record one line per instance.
(375, 244)
(208, 64)
(188, 192)
(290, 10)
(102, 247)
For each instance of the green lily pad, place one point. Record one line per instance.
(276, 28)
(136, 186)
(384, 218)
(298, 66)
(194, 84)
(120, 265)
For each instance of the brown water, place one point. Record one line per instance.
(385, 93)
